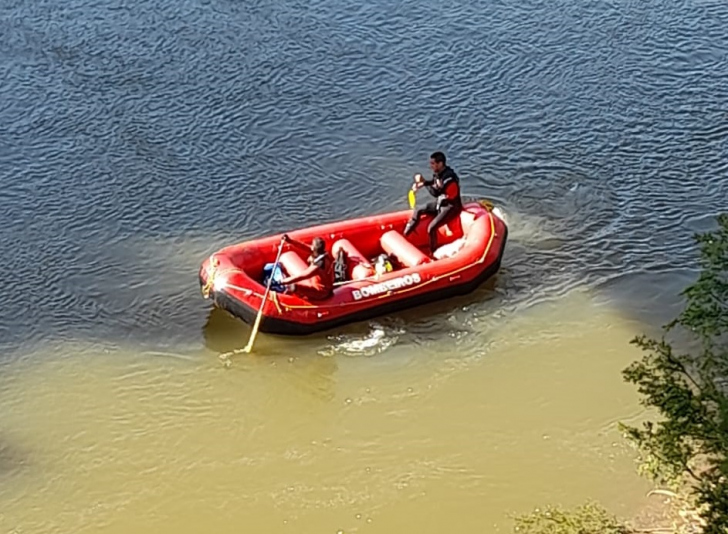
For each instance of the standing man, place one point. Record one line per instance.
(445, 187)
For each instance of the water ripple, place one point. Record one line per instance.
(136, 138)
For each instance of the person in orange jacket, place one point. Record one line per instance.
(317, 281)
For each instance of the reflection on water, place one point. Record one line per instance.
(365, 433)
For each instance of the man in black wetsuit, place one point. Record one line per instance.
(445, 187)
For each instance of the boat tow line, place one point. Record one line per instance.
(214, 277)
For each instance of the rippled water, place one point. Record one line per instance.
(136, 138)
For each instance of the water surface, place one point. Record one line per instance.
(137, 138)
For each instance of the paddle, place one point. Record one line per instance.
(254, 333)
(412, 192)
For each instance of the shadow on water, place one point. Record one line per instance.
(651, 294)
(12, 460)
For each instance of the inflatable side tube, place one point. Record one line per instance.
(358, 266)
(406, 253)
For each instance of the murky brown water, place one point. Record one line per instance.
(418, 440)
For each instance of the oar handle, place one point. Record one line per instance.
(254, 333)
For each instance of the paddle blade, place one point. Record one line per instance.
(411, 197)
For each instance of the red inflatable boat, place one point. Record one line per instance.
(469, 252)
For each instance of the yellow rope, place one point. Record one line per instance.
(275, 301)
(413, 288)
(214, 262)
(281, 306)
(213, 273)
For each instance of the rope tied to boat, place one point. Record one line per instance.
(274, 298)
(211, 273)
(282, 306)
(214, 274)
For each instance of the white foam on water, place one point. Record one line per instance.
(377, 340)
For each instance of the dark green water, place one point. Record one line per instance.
(135, 138)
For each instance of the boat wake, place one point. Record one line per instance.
(375, 341)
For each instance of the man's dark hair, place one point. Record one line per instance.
(438, 157)
(318, 245)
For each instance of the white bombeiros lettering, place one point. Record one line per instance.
(383, 287)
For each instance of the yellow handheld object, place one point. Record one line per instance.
(412, 200)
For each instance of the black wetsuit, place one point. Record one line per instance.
(445, 208)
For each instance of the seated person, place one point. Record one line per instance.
(445, 187)
(317, 281)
